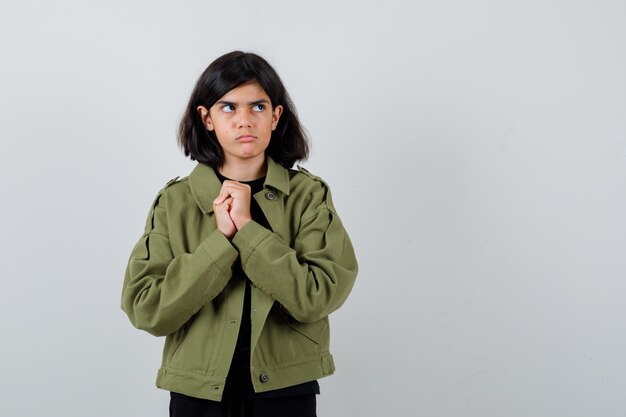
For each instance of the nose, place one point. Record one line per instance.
(244, 119)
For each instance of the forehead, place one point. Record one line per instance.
(248, 92)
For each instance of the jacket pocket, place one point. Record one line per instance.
(179, 338)
(312, 331)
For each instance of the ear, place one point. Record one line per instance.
(206, 117)
(278, 110)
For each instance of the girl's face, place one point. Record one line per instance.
(243, 121)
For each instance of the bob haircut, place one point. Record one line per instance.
(288, 143)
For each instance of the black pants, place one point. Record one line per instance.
(185, 406)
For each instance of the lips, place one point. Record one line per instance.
(245, 138)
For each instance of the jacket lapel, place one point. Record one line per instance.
(205, 186)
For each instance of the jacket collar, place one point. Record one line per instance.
(205, 186)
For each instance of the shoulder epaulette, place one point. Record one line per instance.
(170, 182)
(308, 174)
(150, 220)
(327, 196)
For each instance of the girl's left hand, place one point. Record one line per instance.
(240, 206)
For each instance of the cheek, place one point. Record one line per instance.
(221, 134)
(268, 122)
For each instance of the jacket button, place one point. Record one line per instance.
(264, 377)
(270, 195)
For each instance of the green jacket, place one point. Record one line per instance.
(177, 282)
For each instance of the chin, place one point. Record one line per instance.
(252, 153)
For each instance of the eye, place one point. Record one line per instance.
(228, 108)
(258, 107)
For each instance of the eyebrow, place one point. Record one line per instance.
(252, 103)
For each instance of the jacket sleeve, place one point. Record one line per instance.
(311, 279)
(162, 291)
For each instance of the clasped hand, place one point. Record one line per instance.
(232, 207)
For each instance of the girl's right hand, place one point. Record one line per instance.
(222, 218)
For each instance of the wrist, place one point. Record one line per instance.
(241, 223)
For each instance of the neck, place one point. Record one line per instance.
(244, 170)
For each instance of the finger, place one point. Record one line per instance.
(222, 196)
(234, 186)
(223, 207)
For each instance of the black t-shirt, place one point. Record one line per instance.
(238, 381)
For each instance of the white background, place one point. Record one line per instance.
(477, 155)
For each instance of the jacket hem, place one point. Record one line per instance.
(190, 383)
(281, 376)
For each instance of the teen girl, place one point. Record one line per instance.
(241, 262)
